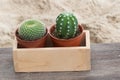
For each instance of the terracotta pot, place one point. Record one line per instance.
(76, 41)
(31, 44)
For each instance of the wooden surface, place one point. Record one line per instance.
(53, 58)
(49, 59)
(105, 66)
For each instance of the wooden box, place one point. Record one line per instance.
(53, 58)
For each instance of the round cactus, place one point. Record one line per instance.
(66, 25)
(31, 30)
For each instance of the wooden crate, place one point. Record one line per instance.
(53, 58)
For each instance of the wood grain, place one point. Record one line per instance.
(105, 66)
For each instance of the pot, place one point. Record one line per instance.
(76, 41)
(31, 44)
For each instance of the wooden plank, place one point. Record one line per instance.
(53, 58)
(105, 66)
(48, 60)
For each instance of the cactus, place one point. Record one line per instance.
(66, 26)
(31, 30)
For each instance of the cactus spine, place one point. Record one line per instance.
(31, 30)
(66, 25)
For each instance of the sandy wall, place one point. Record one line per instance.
(101, 17)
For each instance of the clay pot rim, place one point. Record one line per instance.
(18, 37)
(53, 26)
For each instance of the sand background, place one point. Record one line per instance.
(101, 17)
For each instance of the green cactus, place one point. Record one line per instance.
(66, 26)
(31, 30)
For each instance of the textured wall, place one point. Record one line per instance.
(101, 17)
